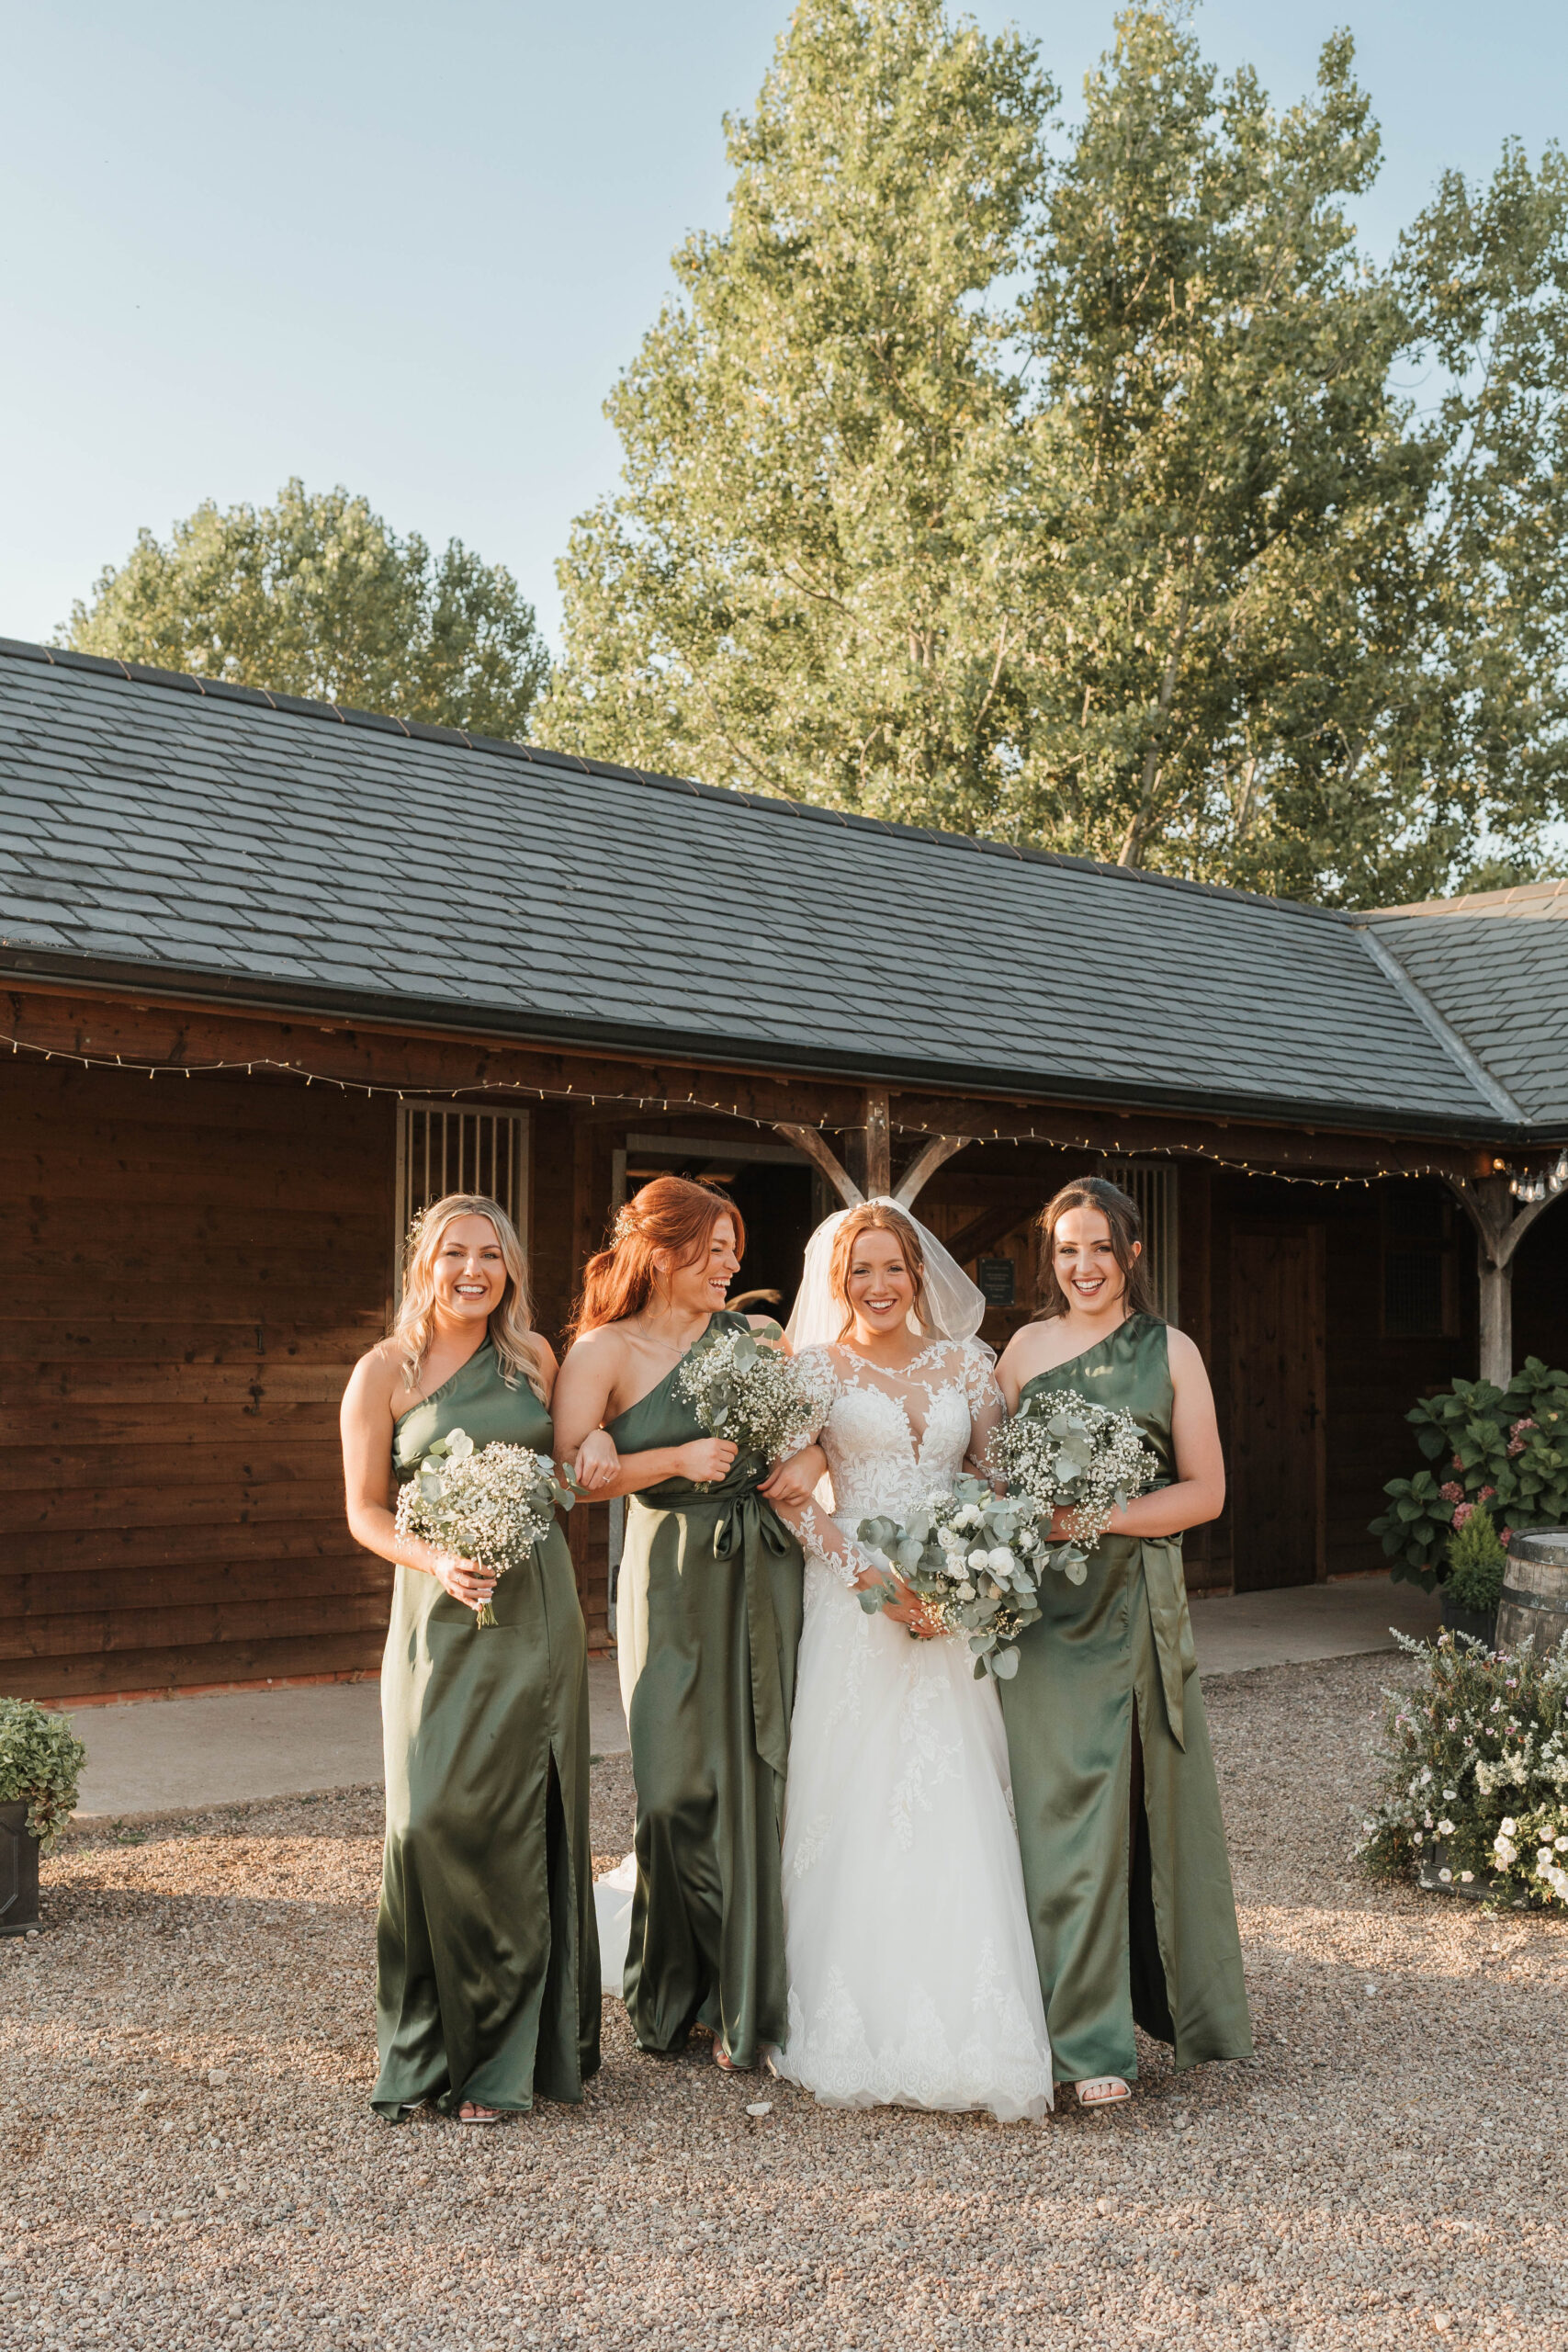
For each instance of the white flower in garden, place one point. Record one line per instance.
(1509, 1828)
(1466, 1876)
(1445, 1830)
(1445, 1876)
(1507, 1853)
(1560, 1844)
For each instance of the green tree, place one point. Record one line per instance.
(1076, 498)
(804, 586)
(315, 596)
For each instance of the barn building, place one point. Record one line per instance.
(276, 973)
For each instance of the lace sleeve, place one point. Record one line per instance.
(827, 1544)
(820, 1386)
(987, 1407)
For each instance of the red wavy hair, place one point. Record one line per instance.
(671, 1213)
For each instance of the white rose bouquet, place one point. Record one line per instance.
(1067, 1455)
(971, 1558)
(489, 1503)
(743, 1388)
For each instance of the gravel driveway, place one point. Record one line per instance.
(185, 2157)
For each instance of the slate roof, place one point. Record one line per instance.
(218, 841)
(1495, 965)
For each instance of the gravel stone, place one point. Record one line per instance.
(186, 2159)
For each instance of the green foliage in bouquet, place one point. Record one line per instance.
(1476, 1562)
(1506, 1448)
(1475, 1774)
(40, 1761)
(742, 1386)
(489, 1503)
(972, 1558)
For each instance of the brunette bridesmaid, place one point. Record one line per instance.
(486, 1948)
(709, 1614)
(1124, 1863)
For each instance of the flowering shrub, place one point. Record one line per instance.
(1506, 1448)
(1475, 1773)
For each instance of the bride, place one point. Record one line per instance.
(912, 1978)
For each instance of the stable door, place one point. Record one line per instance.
(1276, 1458)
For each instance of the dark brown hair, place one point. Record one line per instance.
(671, 1213)
(878, 1216)
(1121, 1214)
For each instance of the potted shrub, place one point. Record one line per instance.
(1469, 1594)
(1474, 1796)
(1503, 1447)
(41, 1758)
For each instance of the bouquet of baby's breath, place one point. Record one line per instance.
(971, 1559)
(489, 1503)
(1069, 1455)
(745, 1389)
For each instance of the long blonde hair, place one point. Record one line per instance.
(511, 1322)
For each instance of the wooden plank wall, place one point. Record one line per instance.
(188, 1270)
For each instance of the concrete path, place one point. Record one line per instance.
(174, 1755)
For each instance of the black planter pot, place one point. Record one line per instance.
(1480, 1624)
(18, 1872)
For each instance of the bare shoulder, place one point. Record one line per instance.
(604, 1345)
(1030, 1348)
(1184, 1355)
(376, 1377)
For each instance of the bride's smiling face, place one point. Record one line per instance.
(878, 1286)
(1084, 1263)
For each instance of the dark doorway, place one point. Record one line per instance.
(1276, 1462)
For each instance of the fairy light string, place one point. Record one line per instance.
(676, 1105)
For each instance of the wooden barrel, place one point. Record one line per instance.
(1535, 1589)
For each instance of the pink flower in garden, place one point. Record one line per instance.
(1458, 1463)
(1504, 1536)
(1516, 1435)
(1461, 1513)
(1486, 1494)
(1454, 1492)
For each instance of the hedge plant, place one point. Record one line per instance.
(1504, 1448)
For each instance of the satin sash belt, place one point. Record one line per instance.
(1166, 1589)
(748, 1531)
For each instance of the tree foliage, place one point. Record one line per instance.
(316, 596)
(1077, 490)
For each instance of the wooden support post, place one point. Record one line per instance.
(816, 1147)
(924, 1165)
(878, 1143)
(1500, 1227)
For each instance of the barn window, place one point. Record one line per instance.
(1418, 1284)
(443, 1148)
(1152, 1183)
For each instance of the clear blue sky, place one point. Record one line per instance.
(410, 248)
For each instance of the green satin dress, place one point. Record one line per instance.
(708, 1622)
(1131, 1921)
(487, 1951)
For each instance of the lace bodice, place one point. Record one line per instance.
(891, 1440)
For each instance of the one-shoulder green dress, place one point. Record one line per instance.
(708, 1622)
(487, 1951)
(1131, 1919)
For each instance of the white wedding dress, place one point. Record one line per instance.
(912, 1971)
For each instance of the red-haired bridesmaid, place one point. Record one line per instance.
(708, 1625)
